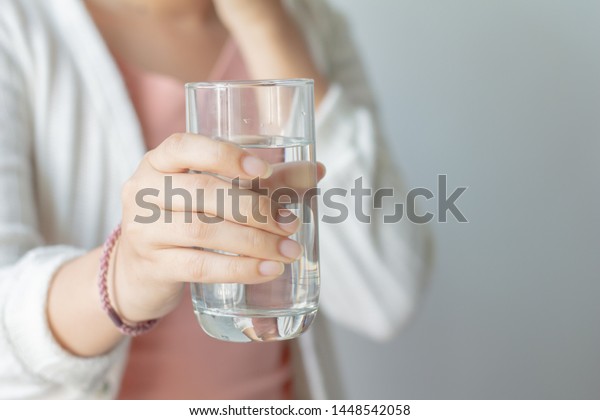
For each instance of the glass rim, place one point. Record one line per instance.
(298, 82)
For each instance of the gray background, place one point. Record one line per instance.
(504, 97)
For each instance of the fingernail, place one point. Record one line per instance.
(323, 168)
(286, 220)
(290, 249)
(254, 166)
(271, 268)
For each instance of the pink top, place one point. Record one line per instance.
(177, 360)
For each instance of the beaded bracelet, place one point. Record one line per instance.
(131, 330)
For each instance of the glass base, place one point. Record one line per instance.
(244, 328)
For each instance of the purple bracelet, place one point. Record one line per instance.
(139, 328)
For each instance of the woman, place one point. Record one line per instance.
(87, 88)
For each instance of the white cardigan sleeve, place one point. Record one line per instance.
(372, 273)
(32, 363)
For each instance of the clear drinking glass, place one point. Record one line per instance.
(273, 119)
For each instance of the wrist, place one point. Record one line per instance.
(75, 316)
(136, 294)
(277, 25)
(116, 271)
(107, 294)
(277, 50)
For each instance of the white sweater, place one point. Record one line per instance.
(69, 138)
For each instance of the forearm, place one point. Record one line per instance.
(277, 50)
(75, 315)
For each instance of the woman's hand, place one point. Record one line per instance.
(152, 260)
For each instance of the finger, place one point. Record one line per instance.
(299, 176)
(199, 266)
(214, 197)
(321, 171)
(182, 152)
(222, 235)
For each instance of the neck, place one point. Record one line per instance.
(159, 9)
